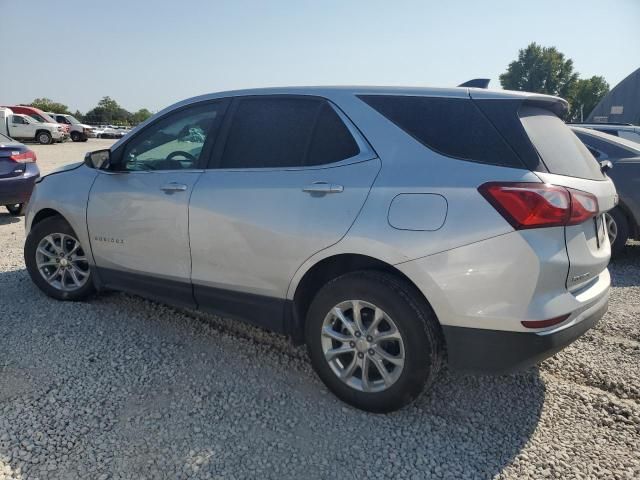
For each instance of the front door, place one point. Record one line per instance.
(138, 209)
(288, 181)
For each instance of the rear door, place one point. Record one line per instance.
(289, 180)
(570, 164)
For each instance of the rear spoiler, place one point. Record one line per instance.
(476, 83)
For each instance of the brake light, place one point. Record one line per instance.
(537, 205)
(26, 157)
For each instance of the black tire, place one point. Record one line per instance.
(44, 138)
(415, 320)
(622, 227)
(76, 137)
(15, 209)
(48, 226)
(84, 139)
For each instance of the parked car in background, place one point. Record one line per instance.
(367, 222)
(23, 127)
(626, 131)
(79, 132)
(105, 131)
(39, 116)
(623, 222)
(18, 173)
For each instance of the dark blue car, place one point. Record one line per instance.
(18, 173)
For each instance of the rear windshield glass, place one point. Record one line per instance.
(561, 151)
(451, 126)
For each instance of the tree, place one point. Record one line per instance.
(140, 116)
(542, 70)
(78, 115)
(108, 111)
(48, 105)
(585, 96)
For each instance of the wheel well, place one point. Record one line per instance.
(326, 270)
(44, 213)
(634, 229)
(42, 130)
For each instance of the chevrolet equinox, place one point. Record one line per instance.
(389, 229)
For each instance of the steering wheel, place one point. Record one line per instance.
(180, 153)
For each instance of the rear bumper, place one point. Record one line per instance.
(494, 351)
(18, 189)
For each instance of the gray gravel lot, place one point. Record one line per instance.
(120, 387)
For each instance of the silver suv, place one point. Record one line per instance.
(389, 229)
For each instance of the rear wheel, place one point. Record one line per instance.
(618, 229)
(44, 138)
(373, 340)
(56, 261)
(15, 209)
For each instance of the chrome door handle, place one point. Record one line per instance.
(173, 187)
(323, 188)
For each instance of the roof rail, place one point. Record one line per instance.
(604, 124)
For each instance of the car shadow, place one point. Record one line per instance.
(625, 267)
(6, 219)
(221, 390)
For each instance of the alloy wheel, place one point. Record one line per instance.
(363, 346)
(62, 262)
(612, 227)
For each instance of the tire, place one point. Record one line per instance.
(84, 139)
(76, 137)
(16, 209)
(417, 327)
(618, 229)
(44, 138)
(62, 287)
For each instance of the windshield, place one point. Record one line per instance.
(72, 119)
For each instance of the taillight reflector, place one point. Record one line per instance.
(537, 205)
(25, 157)
(544, 323)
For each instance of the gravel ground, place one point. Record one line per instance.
(120, 387)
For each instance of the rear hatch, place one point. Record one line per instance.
(553, 152)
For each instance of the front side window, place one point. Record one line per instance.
(281, 131)
(174, 142)
(18, 120)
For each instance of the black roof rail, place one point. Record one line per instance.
(476, 83)
(604, 124)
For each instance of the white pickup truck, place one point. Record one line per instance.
(23, 127)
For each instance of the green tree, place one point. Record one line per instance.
(140, 116)
(48, 105)
(585, 96)
(108, 111)
(542, 70)
(78, 114)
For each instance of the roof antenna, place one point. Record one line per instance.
(476, 83)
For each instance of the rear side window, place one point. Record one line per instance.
(274, 132)
(561, 151)
(451, 126)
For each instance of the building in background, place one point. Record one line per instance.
(621, 104)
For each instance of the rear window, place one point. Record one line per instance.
(454, 127)
(561, 151)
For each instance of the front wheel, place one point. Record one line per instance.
(44, 138)
(56, 261)
(15, 209)
(75, 136)
(373, 340)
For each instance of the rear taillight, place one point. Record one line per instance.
(25, 157)
(537, 205)
(544, 323)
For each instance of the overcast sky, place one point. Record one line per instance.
(151, 53)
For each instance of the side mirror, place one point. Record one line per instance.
(98, 159)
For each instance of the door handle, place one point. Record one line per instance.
(173, 187)
(323, 188)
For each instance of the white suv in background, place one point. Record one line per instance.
(79, 131)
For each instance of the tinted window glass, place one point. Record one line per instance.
(610, 149)
(38, 118)
(607, 131)
(331, 140)
(451, 126)
(173, 143)
(17, 120)
(270, 132)
(561, 151)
